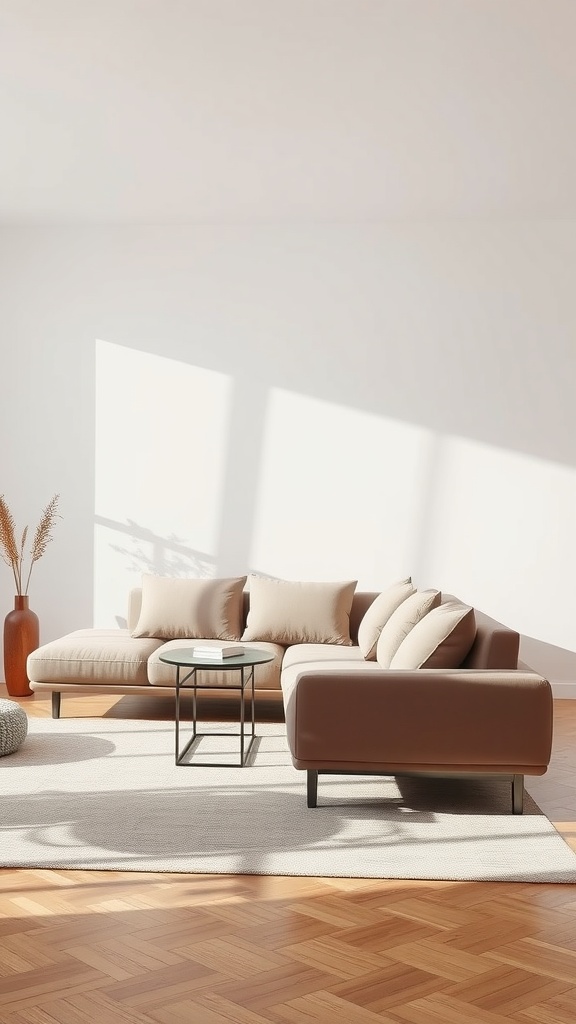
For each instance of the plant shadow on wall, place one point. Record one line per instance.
(145, 551)
(21, 626)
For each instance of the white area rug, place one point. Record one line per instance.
(105, 794)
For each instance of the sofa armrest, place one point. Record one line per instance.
(426, 718)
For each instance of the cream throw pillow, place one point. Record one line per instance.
(377, 615)
(401, 621)
(441, 639)
(207, 609)
(289, 612)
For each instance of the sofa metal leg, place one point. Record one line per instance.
(56, 704)
(517, 794)
(312, 787)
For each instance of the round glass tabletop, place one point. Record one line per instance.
(185, 656)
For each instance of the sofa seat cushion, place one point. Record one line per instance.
(266, 676)
(292, 673)
(103, 656)
(299, 654)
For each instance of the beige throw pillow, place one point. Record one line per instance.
(377, 615)
(441, 639)
(207, 609)
(401, 621)
(290, 612)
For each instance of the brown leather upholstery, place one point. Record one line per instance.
(489, 716)
(427, 720)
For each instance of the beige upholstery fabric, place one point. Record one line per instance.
(104, 656)
(300, 653)
(401, 621)
(335, 669)
(266, 676)
(288, 612)
(207, 609)
(378, 614)
(441, 639)
(309, 657)
(134, 608)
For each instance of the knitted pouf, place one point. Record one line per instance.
(13, 726)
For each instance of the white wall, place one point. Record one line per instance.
(311, 401)
(179, 111)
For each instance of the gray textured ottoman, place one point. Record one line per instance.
(13, 726)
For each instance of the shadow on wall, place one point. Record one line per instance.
(140, 550)
(145, 552)
(315, 399)
(555, 663)
(230, 472)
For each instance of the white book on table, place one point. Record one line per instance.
(218, 651)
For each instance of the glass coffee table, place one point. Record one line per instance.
(241, 670)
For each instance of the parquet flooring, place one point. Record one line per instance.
(78, 947)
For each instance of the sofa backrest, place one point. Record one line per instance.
(360, 603)
(495, 646)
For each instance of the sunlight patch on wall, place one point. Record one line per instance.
(160, 445)
(496, 523)
(340, 494)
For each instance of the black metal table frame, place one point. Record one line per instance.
(246, 679)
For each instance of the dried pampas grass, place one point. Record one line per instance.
(14, 554)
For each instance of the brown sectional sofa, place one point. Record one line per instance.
(344, 713)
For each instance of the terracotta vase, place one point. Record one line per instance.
(21, 637)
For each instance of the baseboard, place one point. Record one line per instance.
(563, 689)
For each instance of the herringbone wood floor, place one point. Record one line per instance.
(78, 947)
